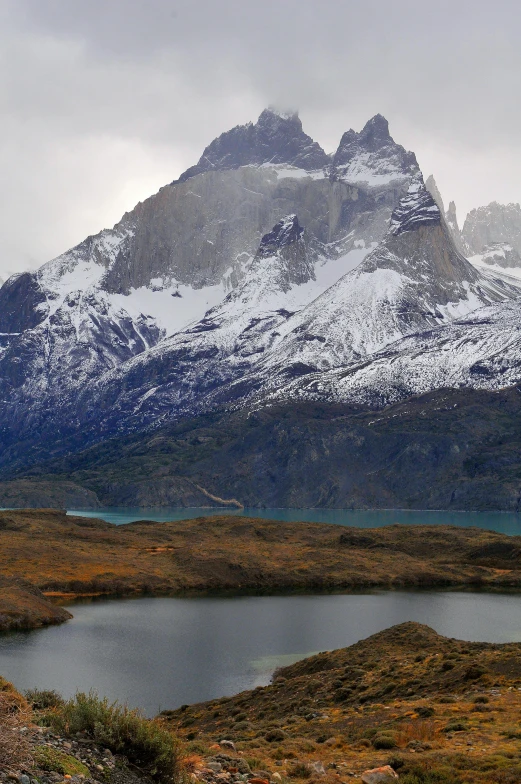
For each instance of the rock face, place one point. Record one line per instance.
(493, 224)
(432, 187)
(450, 215)
(175, 258)
(276, 138)
(500, 255)
(372, 157)
(264, 332)
(452, 223)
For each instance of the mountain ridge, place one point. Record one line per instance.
(269, 269)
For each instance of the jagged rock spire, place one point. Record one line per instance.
(372, 157)
(277, 137)
(285, 232)
(416, 208)
(432, 187)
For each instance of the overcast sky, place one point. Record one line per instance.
(105, 101)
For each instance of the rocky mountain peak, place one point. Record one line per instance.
(273, 115)
(432, 187)
(452, 222)
(492, 224)
(285, 232)
(277, 138)
(376, 131)
(372, 157)
(416, 208)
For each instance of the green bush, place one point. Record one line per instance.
(43, 700)
(124, 731)
(419, 775)
(425, 712)
(384, 741)
(275, 735)
(300, 770)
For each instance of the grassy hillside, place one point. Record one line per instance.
(438, 710)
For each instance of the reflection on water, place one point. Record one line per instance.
(161, 653)
(504, 522)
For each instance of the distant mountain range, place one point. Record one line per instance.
(269, 274)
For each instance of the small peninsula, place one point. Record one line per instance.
(48, 558)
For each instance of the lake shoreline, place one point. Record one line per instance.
(230, 555)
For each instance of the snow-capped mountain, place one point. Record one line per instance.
(413, 280)
(278, 324)
(267, 263)
(480, 351)
(276, 138)
(492, 225)
(372, 158)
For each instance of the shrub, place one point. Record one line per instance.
(456, 726)
(275, 735)
(43, 700)
(426, 711)
(481, 699)
(343, 693)
(300, 770)
(395, 762)
(422, 776)
(474, 672)
(384, 741)
(122, 730)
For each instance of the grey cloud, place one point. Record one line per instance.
(104, 102)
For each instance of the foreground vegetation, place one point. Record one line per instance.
(439, 711)
(67, 557)
(148, 747)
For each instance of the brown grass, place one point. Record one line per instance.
(302, 703)
(67, 556)
(424, 731)
(15, 750)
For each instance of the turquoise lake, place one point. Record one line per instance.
(503, 522)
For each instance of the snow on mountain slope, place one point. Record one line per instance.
(480, 351)
(372, 158)
(413, 280)
(182, 372)
(271, 328)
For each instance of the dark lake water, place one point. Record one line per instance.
(504, 522)
(160, 653)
